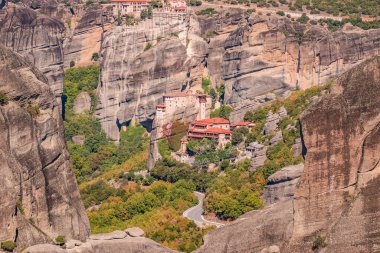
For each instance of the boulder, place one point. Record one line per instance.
(135, 232)
(282, 184)
(82, 103)
(70, 244)
(118, 234)
(78, 139)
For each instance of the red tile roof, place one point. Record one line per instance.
(200, 136)
(206, 122)
(240, 123)
(162, 105)
(217, 130)
(175, 94)
(212, 130)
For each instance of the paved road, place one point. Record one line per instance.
(195, 213)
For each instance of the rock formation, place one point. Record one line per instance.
(85, 29)
(39, 38)
(40, 198)
(266, 56)
(282, 184)
(140, 64)
(257, 58)
(336, 198)
(82, 103)
(129, 241)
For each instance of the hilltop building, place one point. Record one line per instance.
(214, 128)
(172, 102)
(176, 6)
(124, 7)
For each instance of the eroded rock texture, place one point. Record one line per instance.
(264, 57)
(84, 33)
(39, 195)
(140, 64)
(38, 37)
(337, 195)
(129, 241)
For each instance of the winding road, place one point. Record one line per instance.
(195, 213)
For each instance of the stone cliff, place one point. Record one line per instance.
(336, 204)
(38, 37)
(265, 56)
(257, 58)
(40, 198)
(141, 63)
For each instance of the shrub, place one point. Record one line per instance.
(223, 112)
(194, 3)
(72, 64)
(3, 98)
(95, 57)
(250, 11)
(8, 246)
(207, 11)
(19, 206)
(319, 242)
(33, 110)
(148, 46)
(303, 19)
(60, 240)
(281, 13)
(89, 2)
(206, 83)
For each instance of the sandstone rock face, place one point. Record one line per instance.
(82, 103)
(85, 33)
(140, 64)
(264, 57)
(249, 234)
(282, 184)
(39, 38)
(40, 198)
(337, 195)
(124, 245)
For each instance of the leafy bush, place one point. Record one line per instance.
(206, 83)
(3, 98)
(319, 242)
(95, 57)
(33, 110)
(303, 19)
(8, 246)
(223, 112)
(148, 46)
(280, 13)
(207, 11)
(60, 240)
(195, 3)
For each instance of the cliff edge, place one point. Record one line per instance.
(40, 197)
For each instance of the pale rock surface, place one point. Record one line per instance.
(135, 232)
(78, 139)
(35, 168)
(118, 234)
(282, 184)
(39, 38)
(82, 103)
(337, 194)
(124, 245)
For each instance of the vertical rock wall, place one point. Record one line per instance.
(40, 198)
